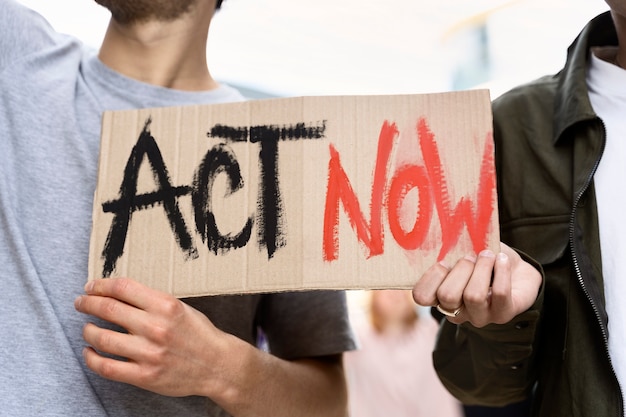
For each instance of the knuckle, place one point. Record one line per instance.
(120, 286)
(110, 307)
(471, 297)
(160, 335)
(447, 298)
(103, 341)
(499, 293)
(423, 299)
(173, 308)
(158, 357)
(106, 369)
(152, 371)
(153, 376)
(434, 273)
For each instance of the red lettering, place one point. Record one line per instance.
(452, 220)
(340, 189)
(432, 188)
(406, 178)
(478, 227)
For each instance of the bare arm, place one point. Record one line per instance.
(174, 350)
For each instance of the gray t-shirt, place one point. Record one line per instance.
(53, 91)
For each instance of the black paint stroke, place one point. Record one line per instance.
(270, 219)
(219, 159)
(129, 202)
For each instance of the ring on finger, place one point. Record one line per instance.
(449, 313)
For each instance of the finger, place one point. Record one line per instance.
(477, 294)
(501, 302)
(478, 288)
(450, 292)
(126, 290)
(111, 342)
(425, 290)
(109, 368)
(114, 311)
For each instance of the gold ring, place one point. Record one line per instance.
(449, 313)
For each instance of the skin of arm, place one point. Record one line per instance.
(173, 349)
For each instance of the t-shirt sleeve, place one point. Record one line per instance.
(306, 324)
(22, 32)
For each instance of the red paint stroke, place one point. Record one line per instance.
(432, 187)
(407, 178)
(452, 220)
(339, 189)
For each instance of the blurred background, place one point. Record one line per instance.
(327, 47)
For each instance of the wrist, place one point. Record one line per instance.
(232, 371)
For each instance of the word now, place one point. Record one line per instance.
(388, 191)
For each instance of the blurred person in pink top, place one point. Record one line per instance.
(391, 374)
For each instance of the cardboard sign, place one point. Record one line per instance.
(347, 192)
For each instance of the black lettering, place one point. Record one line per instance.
(270, 218)
(129, 202)
(219, 159)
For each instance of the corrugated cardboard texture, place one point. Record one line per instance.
(347, 192)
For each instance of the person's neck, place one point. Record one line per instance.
(620, 26)
(166, 54)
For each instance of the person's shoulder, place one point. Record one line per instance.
(538, 90)
(22, 31)
(16, 15)
(526, 104)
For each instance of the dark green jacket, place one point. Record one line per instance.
(548, 145)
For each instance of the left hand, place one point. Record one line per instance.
(171, 349)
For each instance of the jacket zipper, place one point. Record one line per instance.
(579, 275)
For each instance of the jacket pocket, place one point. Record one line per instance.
(545, 239)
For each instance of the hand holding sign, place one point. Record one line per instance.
(171, 349)
(488, 288)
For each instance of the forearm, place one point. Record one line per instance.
(255, 383)
(172, 349)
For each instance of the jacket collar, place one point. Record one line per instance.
(572, 103)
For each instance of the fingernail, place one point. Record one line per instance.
(89, 286)
(487, 254)
(443, 264)
(502, 256)
(470, 258)
(77, 302)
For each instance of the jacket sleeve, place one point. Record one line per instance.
(493, 365)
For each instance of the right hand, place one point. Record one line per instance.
(468, 285)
